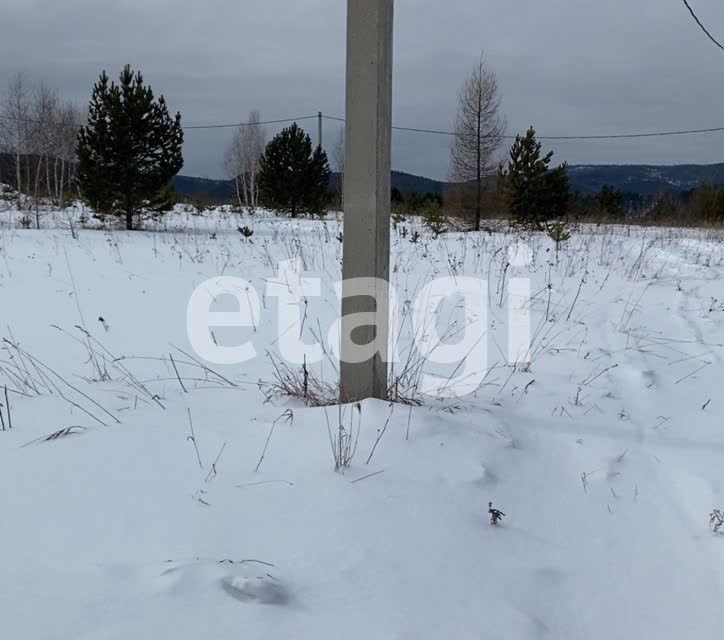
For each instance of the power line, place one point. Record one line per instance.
(615, 136)
(435, 131)
(186, 127)
(620, 136)
(703, 28)
(246, 124)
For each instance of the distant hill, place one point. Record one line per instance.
(639, 179)
(645, 180)
(404, 182)
(223, 190)
(206, 188)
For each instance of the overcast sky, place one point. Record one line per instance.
(564, 66)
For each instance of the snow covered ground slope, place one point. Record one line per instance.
(605, 454)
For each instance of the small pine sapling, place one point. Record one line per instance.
(434, 219)
(495, 515)
(198, 206)
(558, 232)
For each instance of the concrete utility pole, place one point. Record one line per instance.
(319, 127)
(368, 143)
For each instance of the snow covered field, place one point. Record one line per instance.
(605, 453)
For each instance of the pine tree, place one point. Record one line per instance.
(319, 173)
(130, 148)
(534, 193)
(558, 195)
(293, 177)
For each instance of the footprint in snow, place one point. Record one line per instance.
(263, 589)
(244, 580)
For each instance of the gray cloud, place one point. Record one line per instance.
(565, 66)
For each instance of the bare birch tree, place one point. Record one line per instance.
(15, 122)
(39, 134)
(43, 142)
(233, 163)
(479, 129)
(70, 119)
(242, 156)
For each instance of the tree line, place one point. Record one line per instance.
(527, 189)
(120, 154)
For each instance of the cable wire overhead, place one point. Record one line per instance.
(246, 124)
(703, 28)
(440, 132)
(613, 136)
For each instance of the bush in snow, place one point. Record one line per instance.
(495, 515)
(716, 520)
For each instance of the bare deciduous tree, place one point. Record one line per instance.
(43, 132)
(15, 122)
(62, 142)
(479, 129)
(232, 164)
(241, 159)
(65, 141)
(39, 135)
(72, 118)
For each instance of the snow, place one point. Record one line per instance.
(605, 454)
